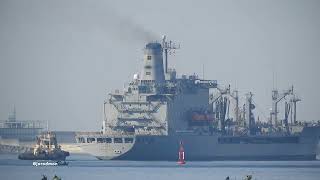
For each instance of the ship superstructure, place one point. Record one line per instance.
(153, 103)
(158, 110)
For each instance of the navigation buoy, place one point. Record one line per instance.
(181, 154)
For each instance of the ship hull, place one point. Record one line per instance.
(53, 156)
(209, 148)
(206, 148)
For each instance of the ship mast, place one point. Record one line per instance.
(167, 47)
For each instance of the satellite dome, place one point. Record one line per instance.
(136, 76)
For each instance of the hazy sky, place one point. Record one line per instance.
(60, 59)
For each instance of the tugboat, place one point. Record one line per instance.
(46, 148)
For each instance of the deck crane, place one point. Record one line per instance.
(221, 102)
(276, 98)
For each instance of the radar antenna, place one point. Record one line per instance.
(167, 46)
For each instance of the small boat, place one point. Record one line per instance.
(46, 148)
(181, 154)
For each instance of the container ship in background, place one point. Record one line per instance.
(158, 110)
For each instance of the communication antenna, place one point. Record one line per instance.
(273, 86)
(47, 126)
(167, 46)
(203, 71)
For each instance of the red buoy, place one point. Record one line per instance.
(181, 160)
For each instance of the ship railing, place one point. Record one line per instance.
(134, 119)
(32, 124)
(125, 109)
(145, 121)
(119, 107)
(137, 126)
(135, 110)
(154, 108)
(88, 133)
(139, 130)
(135, 102)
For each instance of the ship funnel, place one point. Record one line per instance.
(153, 64)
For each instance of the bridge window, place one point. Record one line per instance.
(108, 140)
(91, 140)
(148, 57)
(148, 73)
(128, 140)
(81, 140)
(100, 140)
(117, 140)
(104, 140)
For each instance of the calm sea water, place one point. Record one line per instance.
(84, 167)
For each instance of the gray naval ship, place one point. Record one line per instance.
(158, 110)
